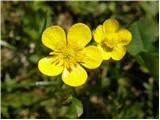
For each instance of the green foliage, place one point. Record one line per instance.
(118, 89)
(151, 8)
(152, 63)
(33, 24)
(143, 37)
(79, 7)
(74, 110)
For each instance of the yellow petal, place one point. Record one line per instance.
(79, 34)
(99, 34)
(125, 36)
(75, 77)
(93, 57)
(54, 37)
(118, 52)
(106, 54)
(47, 67)
(110, 25)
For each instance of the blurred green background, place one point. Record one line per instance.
(128, 88)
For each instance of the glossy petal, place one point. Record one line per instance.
(54, 37)
(125, 36)
(118, 52)
(93, 57)
(79, 34)
(99, 34)
(106, 54)
(47, 67)
(76, 77)
(110, 25)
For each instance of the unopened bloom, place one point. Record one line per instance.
(112, 39)
(69, 53)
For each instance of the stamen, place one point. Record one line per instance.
(106, 47)
(68, 57)
(55, 61)
(71, 67)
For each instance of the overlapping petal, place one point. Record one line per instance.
(125, 36)
(92, 57)
(118, 52)
(54, 37)
(48, 67)
(75, 77)
(79, 34)
(110, 25)
(106, 54)
(99, 35)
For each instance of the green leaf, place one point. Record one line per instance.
(149, 61)
(150, 7)
(38, 18)
(83, 7)
(78, 106)
(74, 110)
(143, 32)
(152, 63)
(9, 83)
(5, 111)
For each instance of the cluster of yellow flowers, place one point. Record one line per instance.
(70, 52)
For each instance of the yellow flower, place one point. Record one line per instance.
(112, 40)
(69, 53)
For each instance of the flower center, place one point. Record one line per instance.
(110, 42)
(68, 57)
(68, 54)
(106, 47)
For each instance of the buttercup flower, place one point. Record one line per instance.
(69, 53)
(112, 39)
